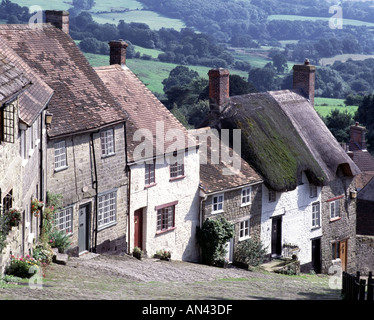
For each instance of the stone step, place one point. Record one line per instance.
(59, 258)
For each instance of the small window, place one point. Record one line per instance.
(107, 142)
(166, 218)
(23, 144)
(7, 123)
(335, 209)
(64, 220)
(312, 191)
(272, 196)
(335, 250)
(60, 155)
(150, 174)
(8, 201)
(244, 230)
(176, 170)
(107, 209)
(217, 203)
(246, 196)
(316, 215)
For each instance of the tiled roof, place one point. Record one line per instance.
(144, 109)
(81, 102)
(363, 159)
(12, 80)
(34, 99)
(212, 176)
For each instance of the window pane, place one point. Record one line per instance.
(60, 155)
(107, 142)
(107, 209)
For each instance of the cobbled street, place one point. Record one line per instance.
(126, 278)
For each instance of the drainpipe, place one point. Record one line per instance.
(96, 190)
(128, 173)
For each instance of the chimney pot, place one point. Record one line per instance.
(58, 18)
(118, 52)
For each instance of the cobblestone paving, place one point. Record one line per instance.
(126, 278)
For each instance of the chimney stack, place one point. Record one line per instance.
(58, 18)
(304, 79)
(219, 88)
(118, 52)
(357, 137)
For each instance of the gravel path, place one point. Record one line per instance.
(126, 278)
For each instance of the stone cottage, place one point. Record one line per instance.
(23, 102)
(237, 197)
(162, 168)
(308, 178)
(86, 139)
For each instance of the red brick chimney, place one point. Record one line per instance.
(357, 137)
(304, 79)
(118, 52)
(218, 87)
(58, 18)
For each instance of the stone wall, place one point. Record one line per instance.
(365, 254)
(13, 247)
(235, 213)
(342, 228)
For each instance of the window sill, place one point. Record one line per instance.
(24, 162)
(335, 219)
(150, 185)
(177, 178)
(245, 204)
(61, 169)
(244, 238)
(108, 225)
(165, 231)
(315, 228)
(219, 211)
(104, 156)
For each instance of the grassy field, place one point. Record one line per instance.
(45, 4)
(151, 73)
(303, 18)
(325, 105)
(344, 58)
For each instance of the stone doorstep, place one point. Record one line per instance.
(59, 258)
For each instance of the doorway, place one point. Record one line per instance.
(316, 255)
(276, 236)
(138, 228)
(83, 232)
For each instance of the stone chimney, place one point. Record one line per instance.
(357, 137)
(219, 88)
(118, 52)
(58, 18)
(304, 79)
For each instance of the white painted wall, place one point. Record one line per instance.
(295, 207)
(180, 241)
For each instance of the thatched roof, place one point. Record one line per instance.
(282, 136)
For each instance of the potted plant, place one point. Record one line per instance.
(12, 217)
(137, 253)
(36, 206)
(163, 255)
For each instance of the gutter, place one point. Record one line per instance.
(96, 191)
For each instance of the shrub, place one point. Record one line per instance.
(60, 240)
(20, 267)
(212, 238)
(43, 253)
(250, 252)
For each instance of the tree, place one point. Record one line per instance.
(263, 79)
(280, 62)
(339, 123)
(178, 77)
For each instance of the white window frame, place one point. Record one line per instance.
(316, 215)
(150, 173)
(335, 209)
(23, 145)
(60, 155)
(313, 191)
(64, 219)
(107, 209)
(244, 229)
(165, 219)
(107, 142)
(246, 196)
(217, 206)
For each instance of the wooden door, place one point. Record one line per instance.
(343, 254)
(276, 236)
(316, 255)
(138, 228)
